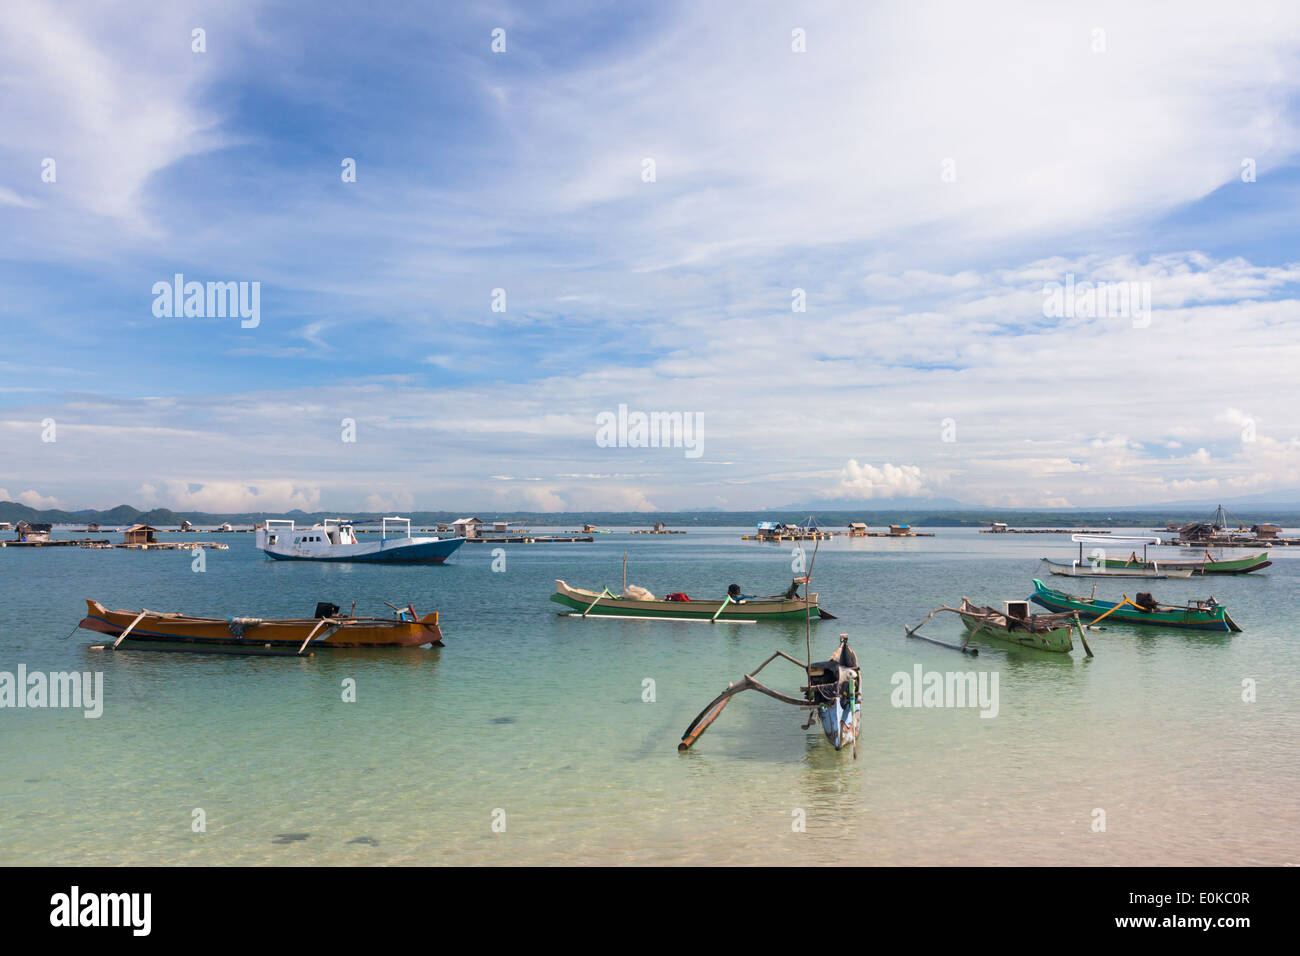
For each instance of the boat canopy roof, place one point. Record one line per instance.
(1106, 538)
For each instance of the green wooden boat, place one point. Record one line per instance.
(1204, 565)
(737, 608)
(1015, 625)
(1200, 615)
(1044, 632)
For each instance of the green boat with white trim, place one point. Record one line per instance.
(733, 607)
(1207, 564)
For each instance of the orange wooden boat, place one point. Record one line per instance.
(158, 630)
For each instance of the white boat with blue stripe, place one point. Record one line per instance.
(334, 539)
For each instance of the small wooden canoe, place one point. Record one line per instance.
(1077, 570)
(1045, 632)
(604, 604)
(1198, 615)
(295, 634)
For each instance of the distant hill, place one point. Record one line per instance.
(881, 504)
(926, 513)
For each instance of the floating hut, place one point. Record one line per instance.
(657, 528)
(140, 534)
(27, 531)
(466, 527)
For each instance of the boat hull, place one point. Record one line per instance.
(1057, 641)
(1254, 562)
(1216, 619)
(577, 599)
(1090, 571)
(156, 628)
(393, 551)
(841, 722)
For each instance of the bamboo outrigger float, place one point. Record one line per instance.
(155, 630)
(1015, 625)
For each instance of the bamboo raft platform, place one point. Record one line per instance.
(62, 543)
(1039, 531)
(651, 531)
(887, 534)
(96, 545)
(532, 539)
(806, 536)
(172, 546)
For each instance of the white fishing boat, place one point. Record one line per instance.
(334, 539)
(1099, 565)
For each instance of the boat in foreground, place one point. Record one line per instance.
(1014, 625)
(735, 606)
(1201, 615)
(833, 695)
(334, 539)
(160, 630)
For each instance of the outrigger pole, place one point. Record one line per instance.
(710, 713)
(964, 648)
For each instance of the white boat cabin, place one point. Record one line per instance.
(284, 537)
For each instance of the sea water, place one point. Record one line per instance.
(534, 738)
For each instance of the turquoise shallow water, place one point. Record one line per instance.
(542, 717)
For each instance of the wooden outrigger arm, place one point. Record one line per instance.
(603, 594)
(323, 621)
(710, 713)
(122, 637)
(964, 648)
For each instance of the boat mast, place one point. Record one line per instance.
(807, 605)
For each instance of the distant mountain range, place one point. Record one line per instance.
(929, 512)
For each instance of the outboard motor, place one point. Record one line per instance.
(325, 609)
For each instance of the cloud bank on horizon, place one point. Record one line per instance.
(1023, 255)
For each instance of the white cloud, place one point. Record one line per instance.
(868, 481)
(109, 102)
(394, 501)
(846, 141)
(32, 499)
(220, 497)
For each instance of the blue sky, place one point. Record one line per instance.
(921, 171)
